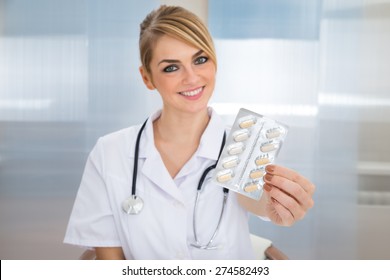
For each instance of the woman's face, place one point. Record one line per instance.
(183, 75)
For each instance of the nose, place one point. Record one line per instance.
(190, 76)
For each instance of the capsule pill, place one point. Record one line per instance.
(230, 162)
(241, 135)
(273, 133)
(262, 161)
(247, 122)
(251, 187)
(224, 176)
(236, 149)
(256, 174)
(268, 147)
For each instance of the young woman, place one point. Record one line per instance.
(166, 157)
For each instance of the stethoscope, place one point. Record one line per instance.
(134, 204)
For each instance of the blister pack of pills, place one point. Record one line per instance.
(254, 142)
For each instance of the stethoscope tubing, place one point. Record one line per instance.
(208, 245)
(136, 155)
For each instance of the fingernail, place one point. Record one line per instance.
(270, 168)
(267, 187)
(268, 177)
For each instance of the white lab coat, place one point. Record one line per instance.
(164, 228)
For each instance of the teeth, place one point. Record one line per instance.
(192, 92)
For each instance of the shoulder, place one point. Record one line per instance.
(122, 135)
(119, 141)
(127, 136)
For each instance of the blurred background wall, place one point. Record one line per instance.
(69, 74)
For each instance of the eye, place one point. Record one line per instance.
(201, 60)
(170, 68)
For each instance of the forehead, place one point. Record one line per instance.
(168, 47)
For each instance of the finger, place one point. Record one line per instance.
(288, 202)
(291, 189)
(286, 217)
(292, 176)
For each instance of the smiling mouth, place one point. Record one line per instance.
(192, 92)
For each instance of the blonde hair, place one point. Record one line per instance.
(178, 23)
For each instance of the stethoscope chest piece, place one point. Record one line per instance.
(132, 205)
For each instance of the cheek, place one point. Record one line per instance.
(211, 72)
(165, 83)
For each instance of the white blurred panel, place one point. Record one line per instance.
(277, 78)
(43, 78)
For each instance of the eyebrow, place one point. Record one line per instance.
(176, 60)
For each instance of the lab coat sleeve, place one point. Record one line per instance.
(91, 223)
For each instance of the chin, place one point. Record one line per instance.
(198, 108)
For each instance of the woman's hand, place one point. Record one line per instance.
(289, 195)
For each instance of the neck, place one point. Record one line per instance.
(181, 127)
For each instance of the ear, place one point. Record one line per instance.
(146, 78)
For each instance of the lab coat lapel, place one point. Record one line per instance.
(210, 143)
(156, 172)
(153, 167)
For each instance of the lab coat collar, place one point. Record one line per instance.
(147, 147)
(211, 140)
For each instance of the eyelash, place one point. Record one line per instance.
(169, 69)
(203, 58)
(174, 67)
